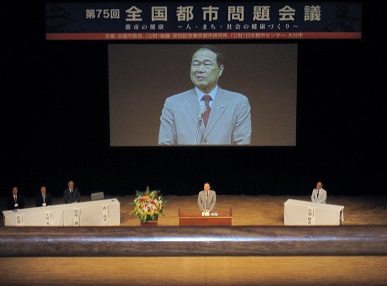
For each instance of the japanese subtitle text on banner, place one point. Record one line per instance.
(203, 20)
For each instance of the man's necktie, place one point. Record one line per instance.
(318, 192)
(206, 114)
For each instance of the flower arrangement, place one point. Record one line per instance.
(148, 205)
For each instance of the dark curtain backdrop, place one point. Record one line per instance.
(55, 122)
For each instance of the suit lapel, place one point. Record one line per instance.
(217, 110)
(192, 105)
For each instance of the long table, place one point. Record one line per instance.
(196, 218)
(298, 212)
(92, 213)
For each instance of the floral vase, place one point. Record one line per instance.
(149, 223)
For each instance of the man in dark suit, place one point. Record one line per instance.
(43, 198)
(207, 199)
(206, 114)
(15, 200)
(71, 194)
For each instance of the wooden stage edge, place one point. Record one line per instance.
(256, 250)
(193, 241)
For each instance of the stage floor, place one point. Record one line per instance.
(249, 211)
(252, 210)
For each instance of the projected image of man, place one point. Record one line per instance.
(206, 114)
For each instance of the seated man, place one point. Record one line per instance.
(43, 198)
(319, 195)
(15, 200)
(71, 194)
(207, 199)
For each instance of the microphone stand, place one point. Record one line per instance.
(205, 205)
(197, 130)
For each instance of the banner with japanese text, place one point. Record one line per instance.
(203, 20)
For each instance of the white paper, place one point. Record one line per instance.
(48, 216)
(311, 218)
(77, 215)
(105, 213)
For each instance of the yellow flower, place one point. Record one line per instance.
(148, 205)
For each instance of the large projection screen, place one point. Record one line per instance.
(142, 76)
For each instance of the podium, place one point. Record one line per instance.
(93, 213)
(307, 213)
(195, 218)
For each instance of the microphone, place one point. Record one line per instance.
(202, 110)
(199, 117)
(205, 206)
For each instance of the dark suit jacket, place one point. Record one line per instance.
(207, 202)
(39, 199)
(11, 202)
(75, 196)
(229, 121)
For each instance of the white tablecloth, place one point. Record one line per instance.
(93, 213)
(307, 213)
